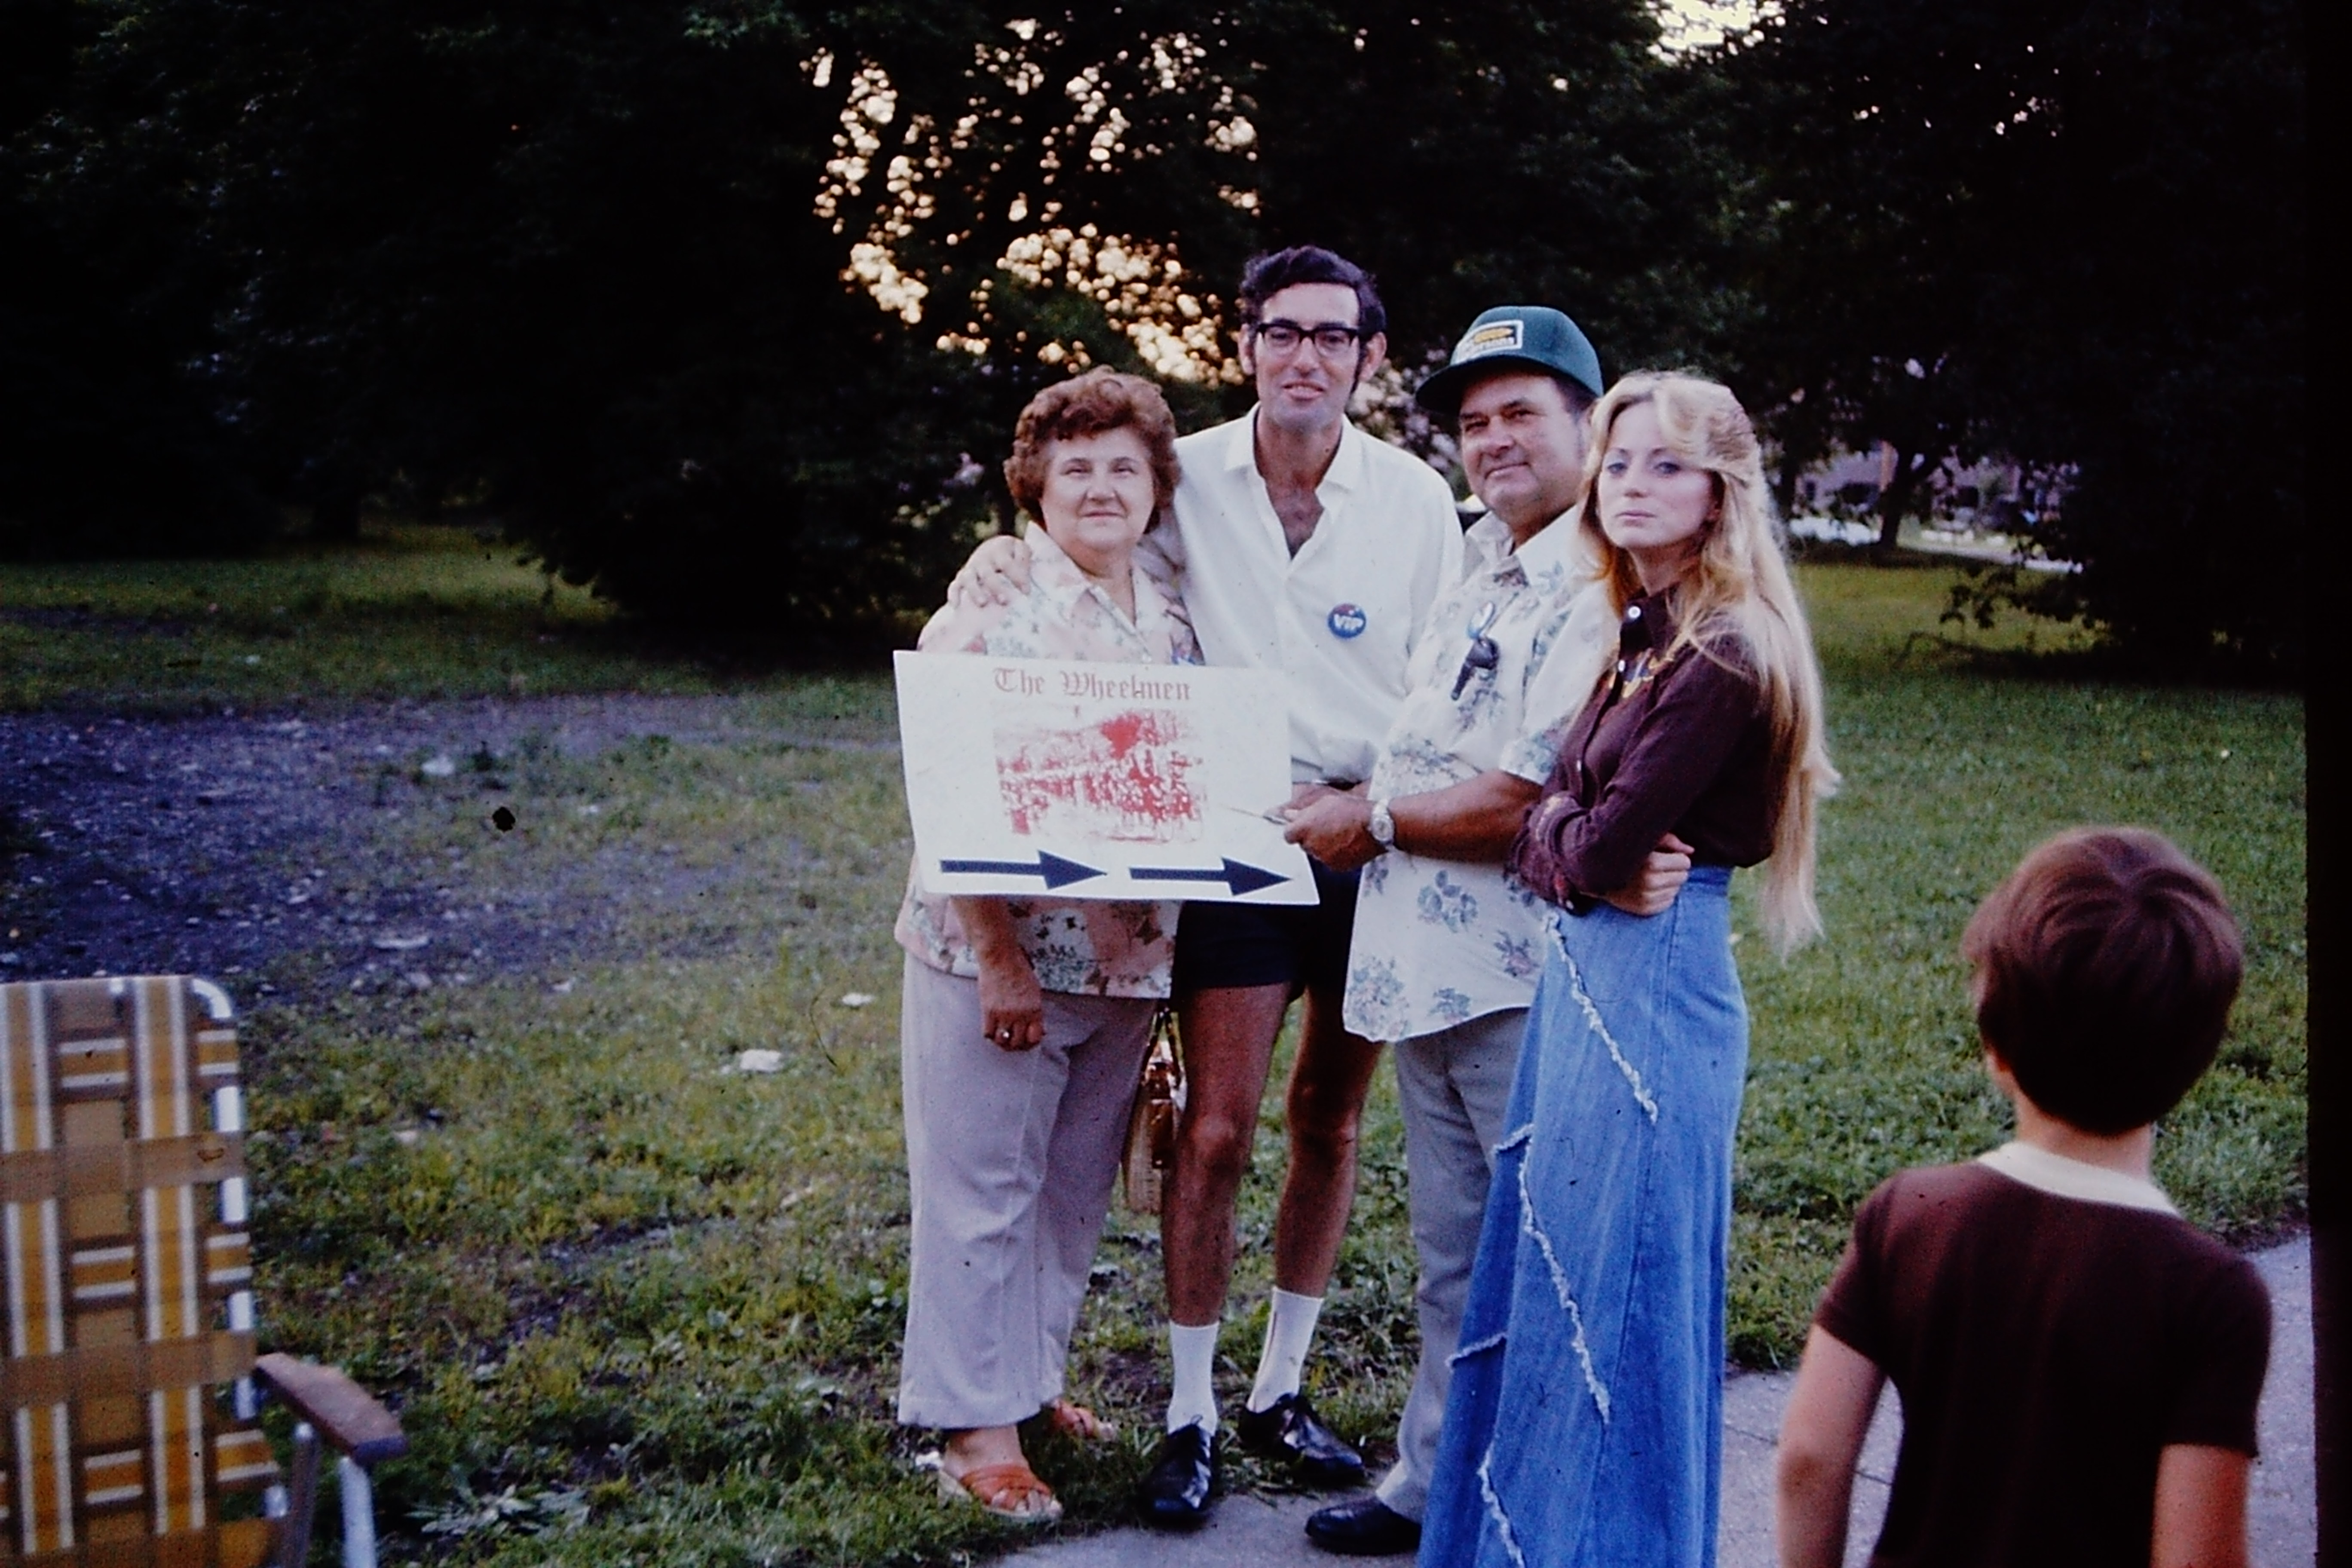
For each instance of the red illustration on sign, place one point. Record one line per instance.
(1125, 777)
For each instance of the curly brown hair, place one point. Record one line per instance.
(1089, 405)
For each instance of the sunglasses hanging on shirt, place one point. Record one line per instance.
(1483, 655)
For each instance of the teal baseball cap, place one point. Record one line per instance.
(1535, 336)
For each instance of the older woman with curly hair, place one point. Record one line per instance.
(1026, 1020)
(1584, 1422)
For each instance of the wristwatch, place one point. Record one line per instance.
(1383, 826)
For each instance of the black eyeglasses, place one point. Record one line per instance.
(1330, 339)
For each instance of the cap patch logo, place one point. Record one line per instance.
(1494, 338)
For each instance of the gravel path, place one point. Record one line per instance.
(218, 843)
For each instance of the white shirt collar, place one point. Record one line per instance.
(1557, 546)
(2064, 1178)
(1347, 470)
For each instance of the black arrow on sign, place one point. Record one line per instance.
(1056, 871)
(1235, 876)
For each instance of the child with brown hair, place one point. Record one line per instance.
(2079, 1367)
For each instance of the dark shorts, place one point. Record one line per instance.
(1297, 945)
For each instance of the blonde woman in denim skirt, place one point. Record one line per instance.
(1584, 1422)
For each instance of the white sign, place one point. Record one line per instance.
(1098, 780)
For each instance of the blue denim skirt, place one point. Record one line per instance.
(1585, 1423)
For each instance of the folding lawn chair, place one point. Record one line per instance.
(127, 1386)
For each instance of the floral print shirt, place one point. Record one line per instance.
(1088, 947)
(1439, 942)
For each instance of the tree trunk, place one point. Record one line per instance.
(1784, 481)
(1893, 500)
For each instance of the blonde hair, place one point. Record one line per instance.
(1739, 584)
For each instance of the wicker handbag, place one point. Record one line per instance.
(1151, 1125)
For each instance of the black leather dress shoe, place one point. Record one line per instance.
(1363, 1527)
(1287, 1429)
(1175, 1494)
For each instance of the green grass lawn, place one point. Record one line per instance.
(1865, 1058)
(413, 611)
(640, 1309)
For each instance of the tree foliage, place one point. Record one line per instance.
(554, 260)
(2070, 235)
(728, 306)
(112, 438)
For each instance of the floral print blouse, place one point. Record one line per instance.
(1086, 947)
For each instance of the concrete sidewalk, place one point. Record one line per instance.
(1248, 1533)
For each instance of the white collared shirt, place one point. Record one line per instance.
(1439, 942)
(1342, 617)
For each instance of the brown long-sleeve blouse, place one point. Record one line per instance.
(1676, 739)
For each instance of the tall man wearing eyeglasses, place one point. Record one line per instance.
(1305, 546)
(1447, 946)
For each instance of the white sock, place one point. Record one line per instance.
(1290, 1328)
(1191, 1357)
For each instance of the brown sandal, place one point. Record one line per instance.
(1011, 1493)
(1073, 1420)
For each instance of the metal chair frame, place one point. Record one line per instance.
(129, 1298)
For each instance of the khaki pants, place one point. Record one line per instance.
(1454, 1088)
(1010, 1161)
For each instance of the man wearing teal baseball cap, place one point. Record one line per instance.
(1515, 337)
(1446, 948)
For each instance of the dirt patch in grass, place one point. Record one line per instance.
(507, 1173)
(364, 843)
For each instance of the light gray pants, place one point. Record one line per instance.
(1454, 1088)
(1010, 1161)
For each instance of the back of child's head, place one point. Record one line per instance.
(2105, 967)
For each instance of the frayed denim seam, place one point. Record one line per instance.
(1519, 1136)
(1592, 1017)
(1494, 1509)
(1560, 1286)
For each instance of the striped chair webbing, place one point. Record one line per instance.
(129, 1274)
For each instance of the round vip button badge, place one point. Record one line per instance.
(1347, 620)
